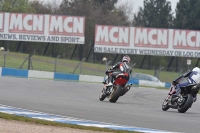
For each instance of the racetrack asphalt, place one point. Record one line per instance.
(140, 107)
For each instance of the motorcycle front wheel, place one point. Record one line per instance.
(102, 95)
(165, 105)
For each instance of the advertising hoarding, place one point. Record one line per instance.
(147, 41)
(42, 28)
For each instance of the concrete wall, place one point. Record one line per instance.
(63, 76)
(90, 78)
(40, 74)
(14, 72)
(0, 70)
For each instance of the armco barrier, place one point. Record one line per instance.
(74, 77)
(90, 78)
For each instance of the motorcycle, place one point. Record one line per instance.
(183, 101)
(119, 88)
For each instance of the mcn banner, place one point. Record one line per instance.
(42, 28)
(147, 41)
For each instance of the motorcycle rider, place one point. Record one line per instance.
(190, 78)
(120, 67)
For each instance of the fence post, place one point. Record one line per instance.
(5, 58)
(107, 63)
(29, 63)
(78, 65)
(158, 73)
(29, 60)
(179, 73)
(56, 62)
(81, 65)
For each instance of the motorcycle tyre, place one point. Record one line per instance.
(187, 104)
(114, 97)
(125, 90)
(102, 96)
(165, 107)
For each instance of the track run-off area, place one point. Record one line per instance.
(140, 107)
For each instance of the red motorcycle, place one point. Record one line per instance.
(119, 88)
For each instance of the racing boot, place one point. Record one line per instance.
(110, 81)
(105, 80)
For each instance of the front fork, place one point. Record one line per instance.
(174, 101)
(107, 89)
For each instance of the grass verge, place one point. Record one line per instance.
(57, 124)
(43, 63)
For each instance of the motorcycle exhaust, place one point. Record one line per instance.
(126, 89)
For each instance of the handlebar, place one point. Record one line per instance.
(109, 71)
(175, 82)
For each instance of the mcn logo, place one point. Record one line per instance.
(150, 37)
(109, 35)
(186, 39)
(26, 23)
(64, 25)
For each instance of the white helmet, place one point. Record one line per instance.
(196, 69)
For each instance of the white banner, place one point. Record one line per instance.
(147, 41)
(42, 28)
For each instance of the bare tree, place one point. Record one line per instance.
(127, 9)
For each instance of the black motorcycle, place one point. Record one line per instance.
(183, 101)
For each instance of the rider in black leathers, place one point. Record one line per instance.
(120, 67)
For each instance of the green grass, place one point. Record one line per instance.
(56, 124)
(43, 63)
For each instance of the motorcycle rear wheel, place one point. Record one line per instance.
(115, 94)
(187, 103)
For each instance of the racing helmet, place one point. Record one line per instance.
(196, 69)
(126, 58)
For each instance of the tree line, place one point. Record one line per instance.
(154, 14)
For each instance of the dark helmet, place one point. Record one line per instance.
(126, 58)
